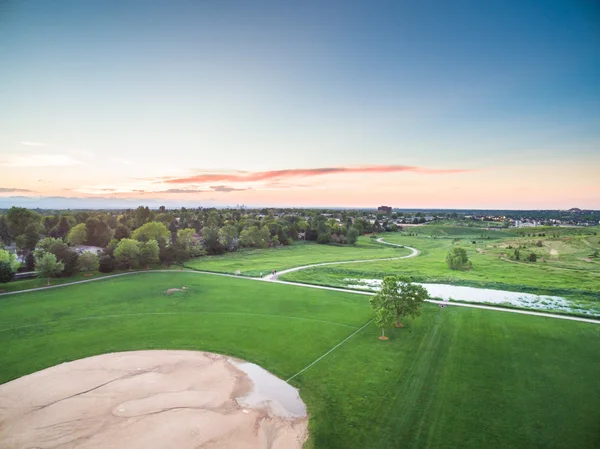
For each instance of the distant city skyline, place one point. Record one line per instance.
(455, 105)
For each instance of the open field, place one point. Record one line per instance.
(560, 270)
(452, 377)
(253, 262)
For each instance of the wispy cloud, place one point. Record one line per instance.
(225, 189)
(179, 191)
(13, 190)
(33, 144)
(39, 160)
(309, 172)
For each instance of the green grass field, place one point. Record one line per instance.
(454, 377)
(252, 262)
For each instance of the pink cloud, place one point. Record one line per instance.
(302, 172)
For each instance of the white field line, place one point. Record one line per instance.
(331, 350)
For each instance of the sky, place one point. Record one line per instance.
(429, 104)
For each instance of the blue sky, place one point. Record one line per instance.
(116, 96)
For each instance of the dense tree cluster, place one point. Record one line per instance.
(142, 237)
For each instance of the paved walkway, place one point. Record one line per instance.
(274, 279)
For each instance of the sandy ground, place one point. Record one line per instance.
(144, 399)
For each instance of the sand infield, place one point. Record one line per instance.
(143, 399)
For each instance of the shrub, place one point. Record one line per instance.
(539, 243)
(106, 264)
(88, 262)
(532, 257)
(457, 259)
(7, 273)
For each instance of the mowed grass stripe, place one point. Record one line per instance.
(460, 378)
(127, 315)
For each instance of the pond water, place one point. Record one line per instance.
(270, 392)
(483, 295)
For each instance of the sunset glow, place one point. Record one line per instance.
(222, 103)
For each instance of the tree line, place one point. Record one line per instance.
(50, 242)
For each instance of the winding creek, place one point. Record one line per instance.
(483, 295)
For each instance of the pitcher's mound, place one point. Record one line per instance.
(151, 399)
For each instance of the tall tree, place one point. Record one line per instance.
(47, 266)
(98, 232)
(77, 235)
(141, 216)
(19, 218)
(352, 236)
(32, 236)
(62, 227)
(228, 237)
(149, 252)
(408, 298)
(122, 232)
(210, 238)
(127, 253)
(61, 250)
(385, 314)
(5, 234)
(174, 229)
(151, 231)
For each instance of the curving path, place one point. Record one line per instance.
(274, 278)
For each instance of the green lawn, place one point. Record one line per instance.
(253, 262)
(454, 377)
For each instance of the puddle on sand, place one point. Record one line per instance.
(270, 392)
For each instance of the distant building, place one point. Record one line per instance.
(386, 209)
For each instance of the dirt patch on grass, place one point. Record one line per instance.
(140, 400)
(175, 290)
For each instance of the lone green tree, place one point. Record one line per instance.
(385, 313)
(47, 266)
(398, 297)
(408, 298)
(457, 259)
